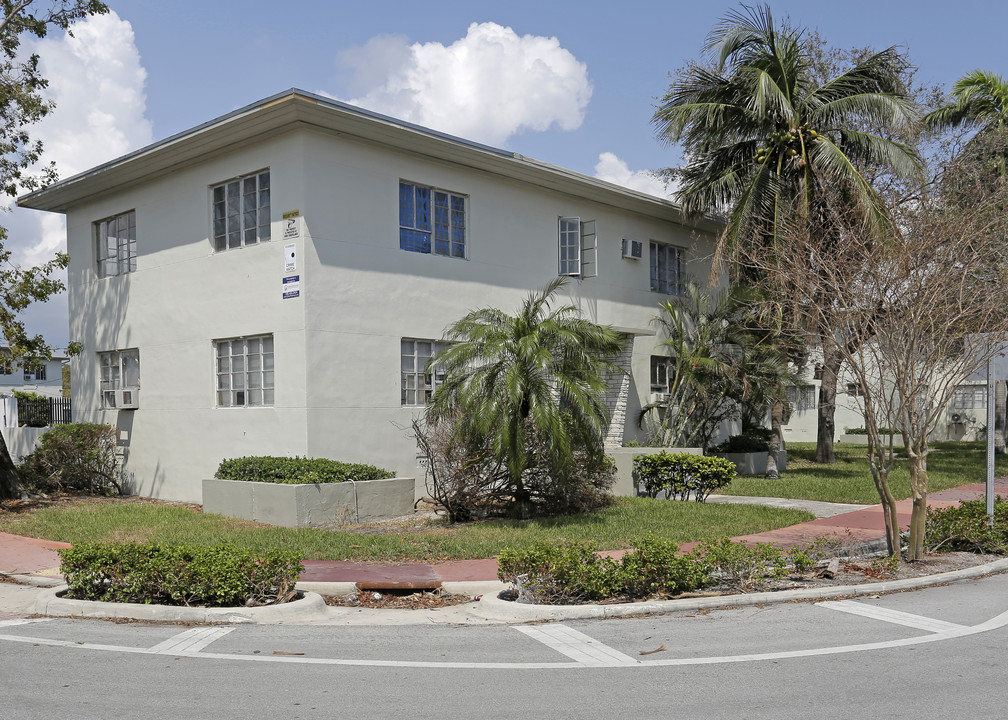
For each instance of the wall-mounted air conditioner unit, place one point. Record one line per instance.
(657, 397)
(633, 249)
(128, 398)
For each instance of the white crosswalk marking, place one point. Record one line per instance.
(893, 616)
(190, 641)
(577, 646)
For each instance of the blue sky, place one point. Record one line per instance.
(569, 83)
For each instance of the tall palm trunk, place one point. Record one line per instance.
(776, 440)
(832, 360)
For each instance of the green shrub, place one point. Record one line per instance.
(296, 470)
(78, 457)
(750, 442)
(655, 567)
(574, 572)
(681, 475)
(864, 431)
(559, 574)
(28, 395)
(220, 576)
(744, 566)
(967, 528)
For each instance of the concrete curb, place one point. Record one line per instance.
(36, 580)
(311, 607)
(490, 609)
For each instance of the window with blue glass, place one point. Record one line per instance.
(431, 220)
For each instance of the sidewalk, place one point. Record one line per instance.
(37, 559)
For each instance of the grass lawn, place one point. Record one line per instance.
(612, 528)
(850, 481)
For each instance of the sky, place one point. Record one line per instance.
(573, 84)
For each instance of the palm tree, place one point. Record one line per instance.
(980, 100)
(765, 140)
(541, 371)
(702, 334)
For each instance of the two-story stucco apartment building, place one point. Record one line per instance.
(272, 281)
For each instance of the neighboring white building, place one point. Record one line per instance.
(44, 378)
(272, 281)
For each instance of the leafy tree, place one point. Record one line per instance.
(770, 144)
(539, 372)
(22, 105)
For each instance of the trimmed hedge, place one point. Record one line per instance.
(680, 475)
(296, 470)
(749, 443)
(218, 576)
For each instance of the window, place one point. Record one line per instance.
(244, 371)
(570, 246)
(969, 398)
(6, 366)
(117, 369)
(662, 373)
(802, 398)
(116, 238)
(667, 269)
(853, 389)
(427, 213)
(33, 373)
(241, 211)
(418, 386)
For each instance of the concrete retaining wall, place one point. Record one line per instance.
(310, 505)
(754, 463)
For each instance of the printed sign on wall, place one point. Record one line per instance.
(292, 225)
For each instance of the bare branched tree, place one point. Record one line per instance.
(911, 308)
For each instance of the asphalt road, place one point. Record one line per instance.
(932, 653)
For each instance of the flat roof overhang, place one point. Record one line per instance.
(294, 109)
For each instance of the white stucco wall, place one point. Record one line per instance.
(337, 347)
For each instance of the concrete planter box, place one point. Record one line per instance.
(846, 439)
(310, 505)
(623, 457)
(754, 463)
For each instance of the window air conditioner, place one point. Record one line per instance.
(128, 398)
(633, 249)
(657, 397)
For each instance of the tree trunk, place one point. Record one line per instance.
(1000, 395)
(832, 361)
(918, 514)
(10, 486)
(776, 440)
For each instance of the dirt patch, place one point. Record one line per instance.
(424, 600)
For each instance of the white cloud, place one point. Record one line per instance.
(612, 169)
(487, 86)
(97, 82)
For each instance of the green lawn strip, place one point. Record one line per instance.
(849, 480)
(612, 528)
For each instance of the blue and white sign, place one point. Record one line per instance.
(291, 287)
